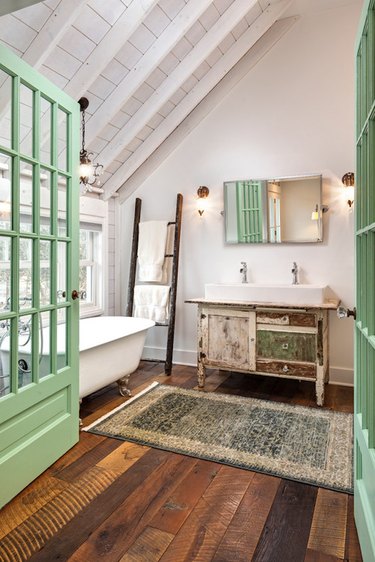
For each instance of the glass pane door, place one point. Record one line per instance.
(39, 227)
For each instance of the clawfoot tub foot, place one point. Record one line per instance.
(123, 387)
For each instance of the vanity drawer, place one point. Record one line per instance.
(286, 346)
(295, 370)
(287, 318)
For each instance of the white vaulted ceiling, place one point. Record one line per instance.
(144, 65)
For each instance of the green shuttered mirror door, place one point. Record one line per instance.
(39, 222)
(364, 420)
(249, 209)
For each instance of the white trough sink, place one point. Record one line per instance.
(259, 292)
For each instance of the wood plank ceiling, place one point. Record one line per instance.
(144, 65)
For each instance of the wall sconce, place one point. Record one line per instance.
(348, 181)
(88, 172)
(202, 193)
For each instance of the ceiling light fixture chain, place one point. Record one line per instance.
(88, 172)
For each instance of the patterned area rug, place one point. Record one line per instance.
(310, 445)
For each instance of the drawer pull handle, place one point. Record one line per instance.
(285, 369)
(284, 319)
(285, 346)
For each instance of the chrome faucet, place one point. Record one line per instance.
(243, 270)
(295, 273)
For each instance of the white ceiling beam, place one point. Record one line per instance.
(224, 25)
(48, 37)
(217, 94)
(54, 28)
(196, 95)
(104, 52)
(150, 60)
(108, 48)
(8, 6)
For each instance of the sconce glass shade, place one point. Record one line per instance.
(202, 193)
(315, 214)
(348, 181)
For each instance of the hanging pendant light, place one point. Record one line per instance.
(88, 172)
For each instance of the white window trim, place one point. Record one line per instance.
(95, 211)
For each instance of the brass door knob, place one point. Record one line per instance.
(78, 294)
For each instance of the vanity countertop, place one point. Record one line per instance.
(330, 304)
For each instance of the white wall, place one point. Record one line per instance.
(293, 114)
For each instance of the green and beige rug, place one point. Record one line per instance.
(310, 445)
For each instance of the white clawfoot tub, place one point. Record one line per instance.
(110, 349)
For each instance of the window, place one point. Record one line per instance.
(90, 268)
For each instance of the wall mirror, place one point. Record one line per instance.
(273, 210)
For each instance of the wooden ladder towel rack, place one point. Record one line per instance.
(174, 274)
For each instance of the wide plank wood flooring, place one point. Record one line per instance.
(121, 502)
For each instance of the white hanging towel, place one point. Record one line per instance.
(151, 250)
(151, 301)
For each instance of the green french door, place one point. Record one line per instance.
(364, 418)
(39, 222)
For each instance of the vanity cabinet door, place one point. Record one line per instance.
(228, 339)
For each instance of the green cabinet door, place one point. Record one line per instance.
(39, 225)
(364, 418)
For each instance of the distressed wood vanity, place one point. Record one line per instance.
(270, 339)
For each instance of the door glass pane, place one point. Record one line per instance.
(5, 347)
(45, 130)
(6, 108)
(84, 244)
(5, 193)
(85, 281)
(45, 272)
(26, 120)
(45, 201)
(26, 197)
(24, 362)
(61, 209)
(44, 344)
(61, 271)
(25, 279)
(61, 340)
(5, 284)
(62, 139)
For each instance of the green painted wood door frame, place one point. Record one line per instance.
(39, 406)
(364, 416)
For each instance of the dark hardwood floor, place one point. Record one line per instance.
(116, 501)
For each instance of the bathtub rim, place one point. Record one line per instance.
(128, 328)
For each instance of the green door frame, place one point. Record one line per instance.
(364, 408)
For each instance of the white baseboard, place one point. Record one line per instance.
(337, 375)
(341, 375)
(180, 356)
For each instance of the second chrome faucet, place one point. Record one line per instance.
(243, 270)
(295, 274)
